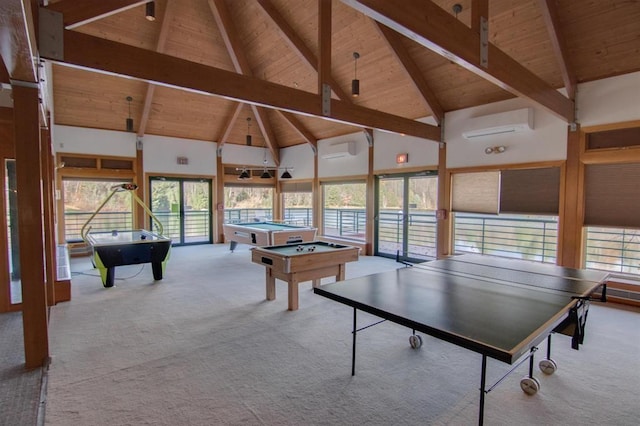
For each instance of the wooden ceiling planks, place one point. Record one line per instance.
(601, 38)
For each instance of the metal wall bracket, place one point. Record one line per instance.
(326, 100)
(51, 34)
(484, 42)
(139, 143)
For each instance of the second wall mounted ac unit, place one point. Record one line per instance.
(516, 121)
(339, 150)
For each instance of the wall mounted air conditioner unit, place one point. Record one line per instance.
(517, 121)
(339, 150)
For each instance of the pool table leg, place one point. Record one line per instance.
(232, 245)
(293, 295)
(271, 285)
(341, 272)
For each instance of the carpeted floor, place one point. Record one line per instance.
(19, 388)
(203, 347)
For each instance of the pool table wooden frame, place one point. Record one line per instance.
(297, 267)
(251, 233)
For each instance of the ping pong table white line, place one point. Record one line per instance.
(507, 283)
(456, 259)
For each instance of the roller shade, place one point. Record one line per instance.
(530, 191)
(476, 192)
(296, 187)
(612, 195)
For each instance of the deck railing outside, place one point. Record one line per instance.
(509, 236)
(613, 249)
(609, 249)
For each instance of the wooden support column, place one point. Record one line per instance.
(571, 208)
(141, 217)
(30, 227)
(219, 200)
(370, 199)
(443, 224)
(317, 196)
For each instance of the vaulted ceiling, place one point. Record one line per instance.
(425, 66)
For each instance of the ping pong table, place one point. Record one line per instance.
(500, 308)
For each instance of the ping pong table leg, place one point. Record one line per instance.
(483, 383)
(353, 350)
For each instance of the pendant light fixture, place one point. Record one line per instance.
(150, 11)
(265, 173)
(286, 174)
(248, 131)
(129, 119)
(355, 83)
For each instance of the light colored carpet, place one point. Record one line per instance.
(203, 347)
(19, 387)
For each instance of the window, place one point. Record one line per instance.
(524, 203)
(344, 210)
(530, 237)
(247, 203)
(613, 249)
(612, 202)
(83, 197)
(298, 202)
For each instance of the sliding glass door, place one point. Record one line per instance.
(183, 206)
(405, 216)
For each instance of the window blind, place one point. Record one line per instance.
(477, 192)
(530, 191)
(296, 187)
(612, 195)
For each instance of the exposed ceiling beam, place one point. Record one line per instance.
(550, 15)
(226, 130)
(241, 65)
(298, 46)
(77, 13)
(17, 44)
(324, 44)
(162, 41)
(94, 53)
(431, 26)
(412, 70)
(302, 131)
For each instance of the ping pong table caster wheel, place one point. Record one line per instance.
(548, 366)
(530, 385)
(415, 341)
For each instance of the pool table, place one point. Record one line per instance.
(296, 263)
(266, 233)
(118, 248)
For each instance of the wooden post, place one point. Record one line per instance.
(30, 227)
(370, 197)
(219, 200)
(570, 216)
(443, 224)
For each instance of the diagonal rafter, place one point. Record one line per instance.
(412, 70)
(106, 56)
(302, 131)
(432, 27)
(226, 130)
(241, 65)
(550, 15)
(77, 13)
(297, 44)
(162, 41)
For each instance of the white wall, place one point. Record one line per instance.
(300, 160)
(345, 166)
(610, 100)
(546, 142)
(161, 156)
(80, 140)
(422, 152)
(246, 155)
